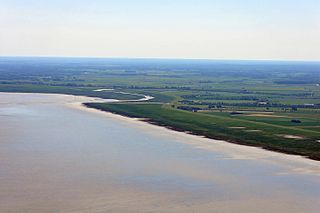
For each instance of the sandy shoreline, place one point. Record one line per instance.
(294, 164)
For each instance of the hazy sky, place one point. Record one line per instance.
(217, 29)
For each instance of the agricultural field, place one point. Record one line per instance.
(269, 104)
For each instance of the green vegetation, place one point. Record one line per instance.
(276, 104)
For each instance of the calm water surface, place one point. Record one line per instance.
(55, 158)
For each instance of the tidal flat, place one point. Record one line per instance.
(58, 156)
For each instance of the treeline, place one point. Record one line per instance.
(220, 97)
(189, 108)
(247, 104)
(297, 81)
(39, 83)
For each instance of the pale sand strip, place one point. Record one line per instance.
(294, 164)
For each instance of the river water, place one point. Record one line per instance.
(55, 157)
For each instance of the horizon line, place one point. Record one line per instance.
(159, 58)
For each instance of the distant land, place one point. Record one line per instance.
(270, 104)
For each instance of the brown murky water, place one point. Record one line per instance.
(57, 158)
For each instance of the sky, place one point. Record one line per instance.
(201, 29)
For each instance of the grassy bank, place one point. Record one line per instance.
(246, 132)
